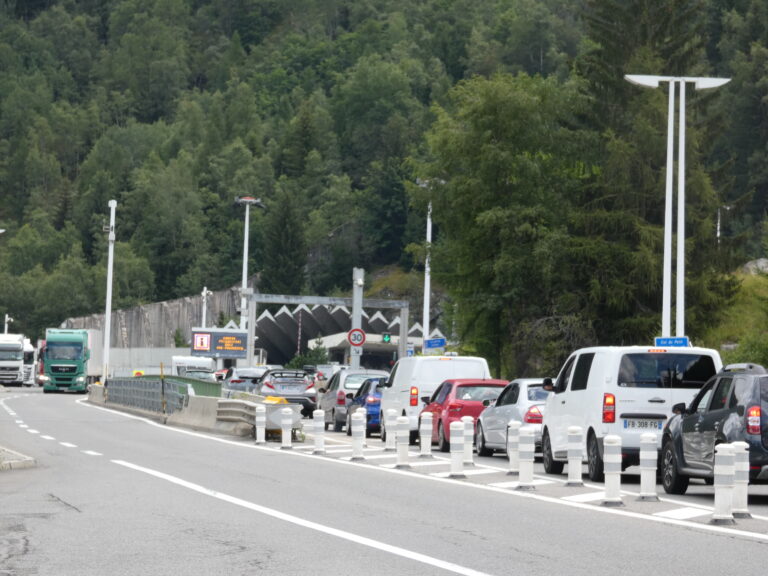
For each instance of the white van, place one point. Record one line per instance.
(621, 390)
(416, 376)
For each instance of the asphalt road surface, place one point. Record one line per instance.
(113, 494)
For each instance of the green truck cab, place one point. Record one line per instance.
(71, 360)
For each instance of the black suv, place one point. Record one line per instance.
(732, 406)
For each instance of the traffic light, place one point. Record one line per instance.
(386, 337)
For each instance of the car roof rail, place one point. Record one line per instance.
(745, 367)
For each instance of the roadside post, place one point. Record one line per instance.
(261, 424)
(725, 476)
(457, 449)
(513, 447)
(358, 435)
(286, 421)
(390, 424)
(469, 437)
(425, 435)
(648, 463)
(526, 447)
(575, 442)
(403, 437)
(318, 420)
(612, 470)
(741, 480)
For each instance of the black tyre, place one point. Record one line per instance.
(349, 425)
(337, 426)
(595, 468)
(442, 443)
(383, 429)
(326, 424)
(413, 437)
(672, 481)
(482, 449)
(551, 466)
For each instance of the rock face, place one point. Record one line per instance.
(759, 266)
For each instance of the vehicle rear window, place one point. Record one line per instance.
(354, 381)
(478, 393)
(537, 394)
(676, 370)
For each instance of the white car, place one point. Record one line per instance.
(523, 401)
(623, 391)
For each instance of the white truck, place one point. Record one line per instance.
(11, 359)
(180, 365)
(29, 363)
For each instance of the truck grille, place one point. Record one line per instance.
(63, 369)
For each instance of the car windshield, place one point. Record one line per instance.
(478, 393)
(10, 354)
(537, 394)
(675, 370)
(354, 381)
(64, 351)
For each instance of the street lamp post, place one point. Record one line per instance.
(246, 201)
(8, 320)
(700, 84)
(108, 311)
(205, 293)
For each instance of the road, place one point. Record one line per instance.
(116, 494)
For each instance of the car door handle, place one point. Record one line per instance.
(657, 400)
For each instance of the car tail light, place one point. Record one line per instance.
(414, 396)
(236, 381)
(454, 407)
(371, 400)
(341, 400)
(753, 420)
(533, 416)
(609, 408)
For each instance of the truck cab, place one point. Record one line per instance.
(67, 361)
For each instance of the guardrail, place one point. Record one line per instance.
(236, 411)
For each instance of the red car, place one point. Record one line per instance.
(455, 399)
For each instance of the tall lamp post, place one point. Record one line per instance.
(700, 84)
(246, 201)
(205, 293)
(8, 320)
(108, 311)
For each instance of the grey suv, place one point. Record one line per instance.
(732, 406)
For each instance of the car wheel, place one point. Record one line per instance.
(482, 449)
(337, 426)
(349, 425)
(594, 460)
(442, 443)
(326, 424)
(551, 466)
(413, 437)
(672, 481)
(383, 428)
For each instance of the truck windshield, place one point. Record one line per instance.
(6, 354)
(64, 351)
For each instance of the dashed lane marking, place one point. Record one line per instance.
(683, 513)
(588, 497)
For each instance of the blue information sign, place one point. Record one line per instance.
(435, 343)
(673, 342)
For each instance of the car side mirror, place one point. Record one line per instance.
(487, 402)
(679, 408)
(425, 399)
(321, 390)
(350, 395)
(740, 410)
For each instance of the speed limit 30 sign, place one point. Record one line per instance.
(356, 337)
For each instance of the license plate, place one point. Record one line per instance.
(638, 424)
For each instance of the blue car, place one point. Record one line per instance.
(368, 397)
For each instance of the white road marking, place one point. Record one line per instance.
(68, 445)
(683, 513)
(23, 426)
(517, 483)
(92, 453)
(31, 431)
(588, 497)
(328, 530)
(471, 472)
(47, 437)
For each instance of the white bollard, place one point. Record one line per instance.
(261, 424)
(725, 476)
(286, 422)
(469, 439)
(425, 435)
(390, 424)
(526, 446)
(513, 447)
(741, 480)
(358, 435)
(403, 440)
(456, 442)
(575, 456)
(318, 419)
(649, 458)
(612, 469)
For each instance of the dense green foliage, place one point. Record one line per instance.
(546, 169)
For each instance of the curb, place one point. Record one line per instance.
(10, 460)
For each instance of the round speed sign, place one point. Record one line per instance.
(356, 337)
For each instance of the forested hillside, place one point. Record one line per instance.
(545, 168)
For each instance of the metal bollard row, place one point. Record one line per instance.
(525, 477)
(318, 420)
(390, 424)
(612, 469)
(425, 435)
(741, 480)
(286, 424)
(648, 462)
(513, 447)
(358, 436)
(575, 443)
(725, 476)
(457, 449)
(403, 437)
(261, 424)
(469, 440)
